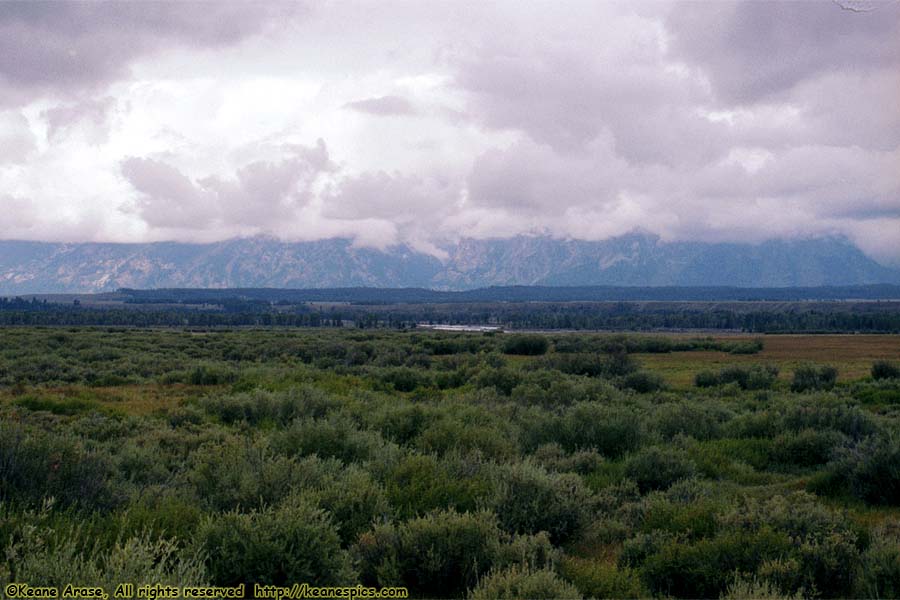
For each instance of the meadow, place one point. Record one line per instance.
(456, 465)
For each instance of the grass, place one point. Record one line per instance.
(852, 355)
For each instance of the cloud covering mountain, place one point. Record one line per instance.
(630, 260)
(421, 124)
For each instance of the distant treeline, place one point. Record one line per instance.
(363, 295)
(781, 317)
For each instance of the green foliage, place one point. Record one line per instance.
(296, 457)
(812, 378)
(881, 576)
(643, 382)
(518, 582)
(39, 554)
(442, 554)
(754, 377)
(419, 484)
(531, 500)
(592, 425)
(871, 470)
(656, 468)
(883, 369)
(595, 579)
(526, 345)
(807, 448)
(295, 542)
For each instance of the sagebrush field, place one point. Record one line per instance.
(456, 465)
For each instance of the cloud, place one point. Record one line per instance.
(90, 114)
(722, 121)
(66, 47)
(753, 51)
(386, 106)
(258, 197)
(17, 141)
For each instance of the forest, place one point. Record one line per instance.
(216, 308)
(489, 465)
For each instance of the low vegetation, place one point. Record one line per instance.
(456, 465)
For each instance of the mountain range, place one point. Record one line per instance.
(636, 259)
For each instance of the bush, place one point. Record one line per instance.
(422, 483)
(883, 369)
(553, 458)
(754, 377)
(237, 474)
(806, 448)
(295, 542)
(699, 421)
(706, 379)
(811, 378)
(756, 589)
(522, 582)
(871, 470)
(531, 500)
(643, 382)
(440, 555)
(586, 425)
(880, 577)
(657, 468)
(526, 345)
(596, 579)
(331, 437)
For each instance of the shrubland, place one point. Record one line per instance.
(456, 465)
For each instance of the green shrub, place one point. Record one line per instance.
(518, 582)
(422, 483)
(355, 502)
(705, 379)
(699, 421)
(871, 470)
(811, 378)
(503, 379)
(753, 377)
(756, 589)
(210, 374)
(880, 575)
(610, 431)
(744, 347)
(238, 474)
(882, 369)
(806, 448)
(643, 382)
(553, 457)
(41, 554)
(295, 542)
(440, 555)
(331, 437)
(35, 465)
(657, 468)
(525, 345)
(404, 379)
(596, 579)
(531, 500)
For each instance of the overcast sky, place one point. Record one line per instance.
(424, 121)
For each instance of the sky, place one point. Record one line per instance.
(422, 122)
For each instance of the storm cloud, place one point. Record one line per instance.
(427, 122)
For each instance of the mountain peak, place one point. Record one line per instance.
(638, 258)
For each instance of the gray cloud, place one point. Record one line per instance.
(259, 196)
(714, 120)
(93, 114)
(755, 50)
(64, 47)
